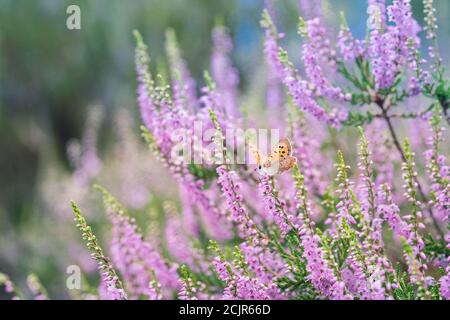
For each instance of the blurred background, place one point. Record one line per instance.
(67, 97)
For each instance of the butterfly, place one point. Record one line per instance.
(279, 160)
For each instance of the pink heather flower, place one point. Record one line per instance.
(84, 155)
(231, 189)
(189, 218)
(211, 99)
(419, 76)
(263, 263)
(134, 189)
(390, 47)
(346, 203)
(179, 102)
(113, 288)
(244, 287)
(383, 155)
(317, 54)
(271, 52)
(306, 146)
(135, 258)
(349, 47)
(400, 13)
(107, 290)
(316, 36)
(319, 273)
(344, 207)
(9, 286)
(224, 74)
(144, 90)
(178, 243)
(439, 172)
(274, 100)
(159, 114)
(355, 278)
(302, 97)
(212, 218)
(430, 19)
(378, 283)
(154, 290)
(310, 9)
(215, 221)
(221, 268)
(183, 84)
(274, 207)
(163, 121)
(390, 212)
(406, 30)
(274, 94)
(414, 255)
(36, 288)
(298, 89)
(444, 282)
(377, 14)
(187, 290)
(383, 57)
(250, 289)
(256, 280)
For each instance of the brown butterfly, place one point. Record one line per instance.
(279, 159)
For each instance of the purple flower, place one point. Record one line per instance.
(320, 274)
(377, 14)
(179, 244)
(299, 89)
(383, 57)
(349, 47)
(274, 95)
(302, 96)
(310, 9)
(317, 54)
(189, 218)
(444, 282)
(183, 85)
(438, 171)
(355, 278)
(224, 74)
(390, 212)
(135, 258)
(274, 207)
(84, 155)
(406, 27)
(108, 275)
(187, 291)
(262, 262)
(214, 219)
(230, 186)
(221, 268)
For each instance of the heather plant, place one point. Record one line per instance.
(363, 213)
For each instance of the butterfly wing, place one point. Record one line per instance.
(270, 167)
(282, 150)
(287, 164)
(256, 154)
(284, 147)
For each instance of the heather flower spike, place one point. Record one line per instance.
(36, 287)
(10, 287)
(139, 263)
(297, 88)
(114, 287)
